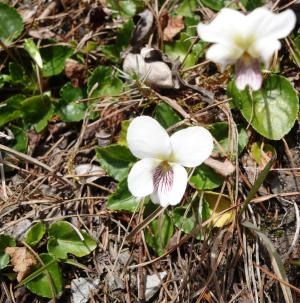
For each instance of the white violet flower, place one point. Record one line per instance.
(160, 172)
(246, 41)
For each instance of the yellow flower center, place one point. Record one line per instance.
(244, 42)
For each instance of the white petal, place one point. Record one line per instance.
(146, 138)
(224, 55)
(248, 73)
(223, 28)
(140, 177)
(265, 49)
(267, 28)
(191, 146)
(154, 198)
(176, 192)
(266, 25)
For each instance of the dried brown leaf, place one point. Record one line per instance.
(22, 260)
(174, 27)
(75, 71)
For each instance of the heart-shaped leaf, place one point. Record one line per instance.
(165, 115)
(48, 282)
(273, 110)
(103, 83)
(54, 58)
(35, 234)
(205, 177)
(11, 109)
(115, 159)
(64, 239)
(32, 113)
(11, 24)
(69, 110)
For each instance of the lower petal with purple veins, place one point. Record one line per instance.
(163, 179)
(169, 184)
(248, 73)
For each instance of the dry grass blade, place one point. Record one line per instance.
(34, 161)
(143, 224)
(296, 289)
(275, 260)
(296, 236)
(257, 184)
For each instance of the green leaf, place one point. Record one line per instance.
(183, 219)
(215, 4)
(179, 49)
(65, 239)
(41, 285)
(35, 234)
(126, 8)
(262, 152)
(54, 58)
(11, 24)
(165, 115)
(5, 241)
(276, 261)
(252, 4)
(296, 53)
(187, 8)
(32, 113)
(16, 72)
(220, 132)
(159, 232)
(205, 177)
(33, 51)
(116, 160)
(29, 109)
(102, 83)
(191, 29)
(21, 139)
(75, 263)
(122, 199)
(68, 109)
(113, 51)
(273, 110)
(122, 140)
(11, 109)
(187, 220)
